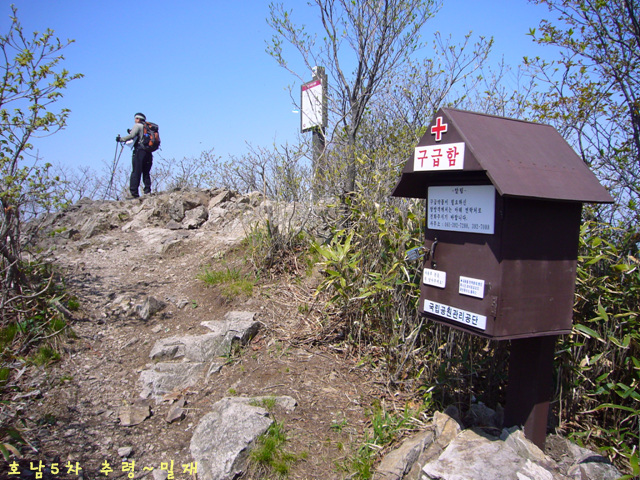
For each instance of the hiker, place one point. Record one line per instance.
(141, 159)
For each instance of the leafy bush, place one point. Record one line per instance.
(371, 286)
(276, 242)
(29, 329)
(599, 363)
(373, 292)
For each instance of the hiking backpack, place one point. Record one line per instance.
(150, 140)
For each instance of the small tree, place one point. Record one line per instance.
(370, 38)
(594, 90)
(31, 83)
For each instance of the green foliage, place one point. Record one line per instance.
(593, 93)
(269, 456)
(373, 297)
(73, 304)
(232, 281)
(32, 81)
(278, 243)
(7, 450)
(44, 356)
(386, 429)
(375, 294)
(4, 375)
(30, 334)
(599, 364)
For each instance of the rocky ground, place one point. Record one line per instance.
(114, 257)
(134, 268)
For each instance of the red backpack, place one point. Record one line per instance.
(150, 140)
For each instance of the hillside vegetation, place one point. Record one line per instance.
(331, 212)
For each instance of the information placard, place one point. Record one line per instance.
(456, 314)
(312, 105)
(435, 278)
(473, 287)
(468, 208)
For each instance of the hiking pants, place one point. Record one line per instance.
(141, 166)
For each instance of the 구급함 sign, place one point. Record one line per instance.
(448, 156)
(469, 208)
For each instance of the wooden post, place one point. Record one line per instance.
(318, 138)
(530, 386)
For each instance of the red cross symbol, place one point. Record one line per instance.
(439, 128)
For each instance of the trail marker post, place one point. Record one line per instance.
(313, 117)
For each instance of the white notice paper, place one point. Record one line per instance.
(465, 208)
(472, 287)
(435, 278)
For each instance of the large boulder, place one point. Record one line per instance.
(184, 360)
(222, 440)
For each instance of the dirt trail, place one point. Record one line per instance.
(72, 409)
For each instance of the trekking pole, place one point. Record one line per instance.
(116, 160)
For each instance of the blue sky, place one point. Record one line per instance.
(199, 69)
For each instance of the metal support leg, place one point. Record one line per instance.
(530, 386)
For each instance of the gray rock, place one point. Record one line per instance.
(95, 225)
(159, 474)
(165, 378)
(446, 427)
(580, 463)
(235, 327)
(221, 197)
(173, 225)
(479, 415)
(180, 203)
(157, 329)
(514, 438)
(150, 307)
(216, 217)
(125, 452)
(134, 414)
(193, 348)
(176, 412)
(475, 456)
(198, 354)
(176, 210)
(195, 217)
(222, 440)
(397, 464)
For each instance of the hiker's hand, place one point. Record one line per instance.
(118, 138)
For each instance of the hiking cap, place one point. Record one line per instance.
(140, 116)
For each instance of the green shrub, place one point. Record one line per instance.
(373, 292)
(232, 281)
(386, 428)
(599, 363)
(279, 244)
(45, 355)
(269, 455)
(73, 304)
